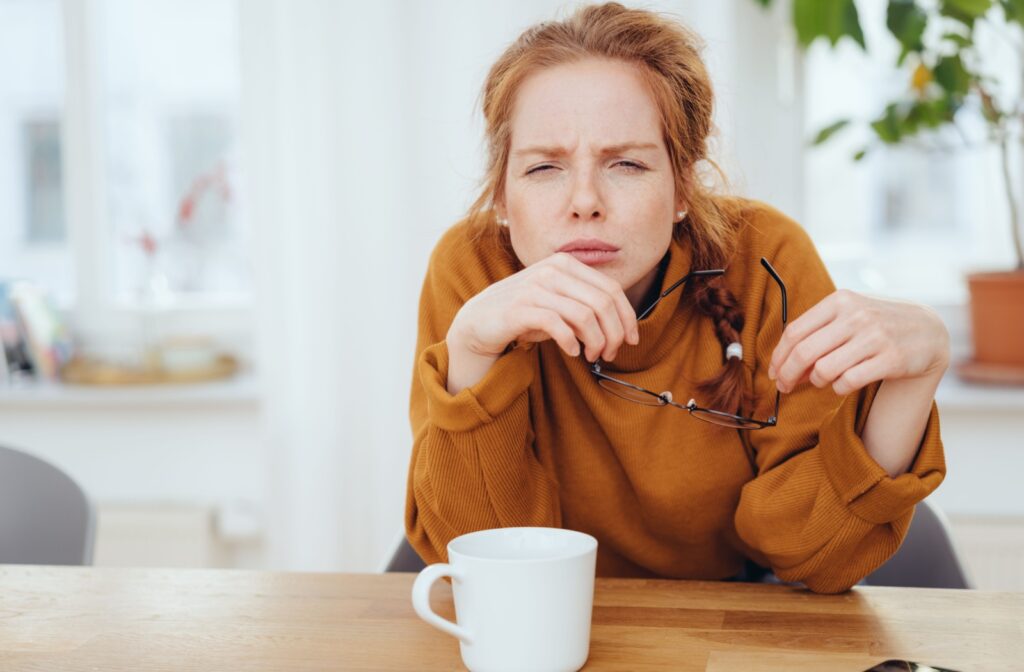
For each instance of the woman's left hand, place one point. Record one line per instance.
(849, 340)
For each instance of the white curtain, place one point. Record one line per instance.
(362, 143)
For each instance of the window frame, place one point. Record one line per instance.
(98, 315)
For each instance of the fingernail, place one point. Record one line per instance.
(771, 373)
(636, 336)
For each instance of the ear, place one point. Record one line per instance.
(499, 209)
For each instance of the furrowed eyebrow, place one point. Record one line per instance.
(556, 151)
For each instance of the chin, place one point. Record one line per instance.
(625, 278)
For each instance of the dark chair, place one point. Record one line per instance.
(405, 559)
(45, 517)
(927, 558)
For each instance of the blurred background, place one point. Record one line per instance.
(215, 217)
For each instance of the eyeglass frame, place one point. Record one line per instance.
(665, 398)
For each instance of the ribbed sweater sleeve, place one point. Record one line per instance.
(820, 510)
(473, 464)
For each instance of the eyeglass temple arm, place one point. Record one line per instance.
(782, 288)
(691, 274)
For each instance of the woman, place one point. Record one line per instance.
(541, 328)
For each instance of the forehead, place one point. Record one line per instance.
(591, 101)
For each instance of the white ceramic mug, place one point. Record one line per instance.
(523, 598)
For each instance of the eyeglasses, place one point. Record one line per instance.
(641, 395)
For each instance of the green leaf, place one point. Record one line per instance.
(903, 119)
(959, 40)
(861, 154)
(888, 127)
(831, 19)
(952, 76)
(965, 11)
(927, 114)
(764, 3)
(830, 130)
(907, 21)
(1014, 10)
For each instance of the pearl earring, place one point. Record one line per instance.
(502, 222)
(680, 215)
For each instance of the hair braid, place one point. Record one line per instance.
(727, 390)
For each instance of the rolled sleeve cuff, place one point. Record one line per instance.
(509, 377)
(860, 482)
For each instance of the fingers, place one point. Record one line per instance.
(551, 323)
(586, 323)
(804, 355)
(832, 356)
(590, 300)
(862, 374)
(811, 321)
(583, 301)
(832, 367)
(612, 288)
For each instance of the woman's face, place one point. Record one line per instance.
(588, 168)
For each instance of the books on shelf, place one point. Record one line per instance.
(35, 338)
(12, 356)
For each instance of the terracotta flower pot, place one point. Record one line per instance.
(997, 317)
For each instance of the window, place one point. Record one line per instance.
(908, 221)
(33, 228)
(118, 134)
(169, 74)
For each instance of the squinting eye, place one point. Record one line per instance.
(538, 169)
(630, 166)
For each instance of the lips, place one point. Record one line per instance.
(591, 251)
(588, 245)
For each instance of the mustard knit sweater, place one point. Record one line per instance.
(537, 442)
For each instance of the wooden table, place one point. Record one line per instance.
(63, 619)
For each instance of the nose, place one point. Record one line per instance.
(586, 204)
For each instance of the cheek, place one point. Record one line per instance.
(525, 236)
(654, 198)
(530, 213)
(649, 213)
(523, 244)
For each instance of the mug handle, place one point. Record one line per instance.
(421, 600)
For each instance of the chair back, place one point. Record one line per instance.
(927, 558)
(45, 517)
(405, 559)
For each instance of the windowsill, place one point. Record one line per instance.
(955, 394)
(241, 390)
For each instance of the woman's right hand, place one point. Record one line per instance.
(560, 298)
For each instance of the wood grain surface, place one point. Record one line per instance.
(67, 619)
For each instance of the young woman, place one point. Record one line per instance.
(602, 348)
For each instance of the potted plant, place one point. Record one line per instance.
(946, 80)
